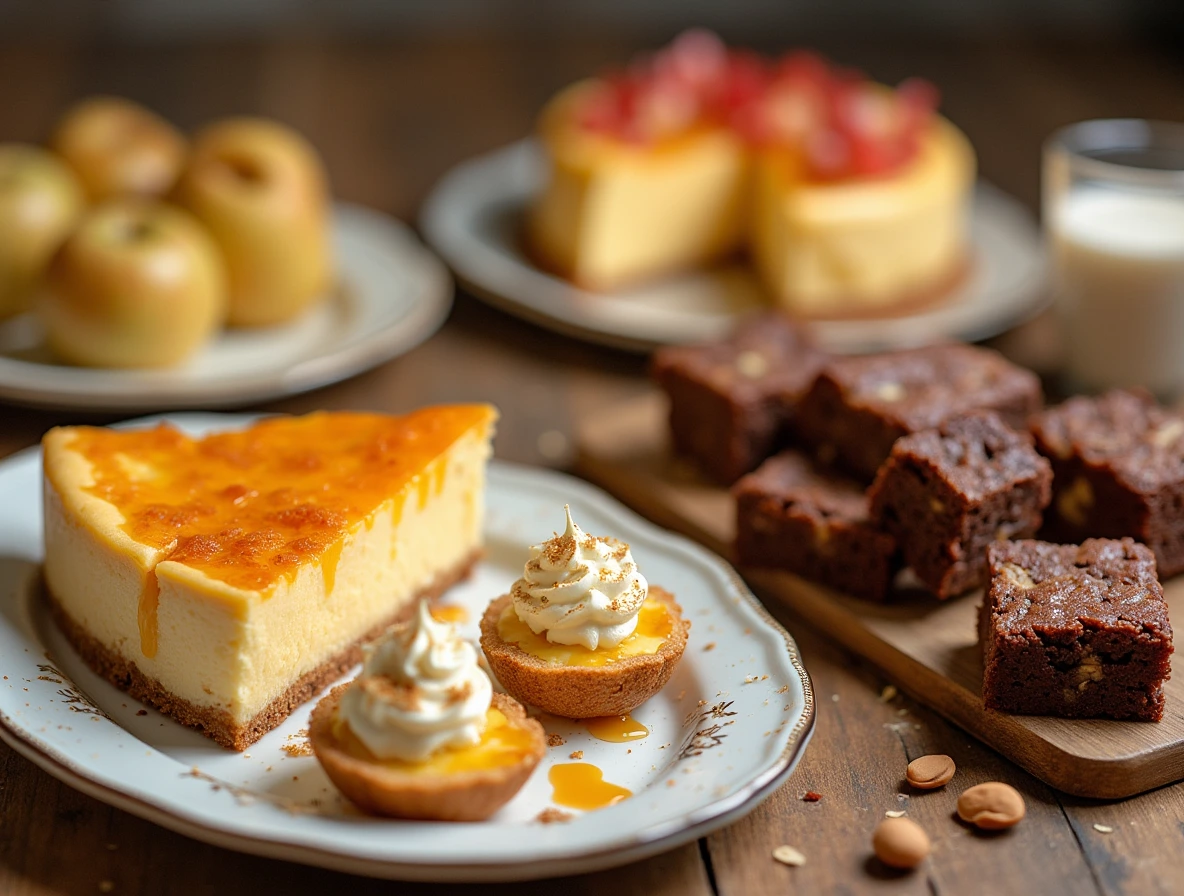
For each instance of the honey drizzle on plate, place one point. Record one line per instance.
(616, 729)
(581, 785)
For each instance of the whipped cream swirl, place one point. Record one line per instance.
(420, 690)
(580, 589)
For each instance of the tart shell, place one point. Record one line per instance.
(583, 692)
(380, 790)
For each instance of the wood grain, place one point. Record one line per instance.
(929, 647)
(862, 744)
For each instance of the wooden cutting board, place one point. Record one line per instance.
(929, 648)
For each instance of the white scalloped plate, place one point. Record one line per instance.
(725, 732)
(473, 219)
(392, 294)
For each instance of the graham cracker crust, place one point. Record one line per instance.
(217, 724)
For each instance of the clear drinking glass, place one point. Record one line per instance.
(1114, 218)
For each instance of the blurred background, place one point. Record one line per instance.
(750, 20)
(394, 93)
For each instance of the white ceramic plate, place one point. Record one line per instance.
(393, 293)
(724, 733)
(473, 219)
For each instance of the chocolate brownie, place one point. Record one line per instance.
(859, 406)
(790, 515)
(1118, 469)
(947, 493)
(732, 401)
(1077, 631)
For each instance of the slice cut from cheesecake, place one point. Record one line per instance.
(228, 579)
(614, 213)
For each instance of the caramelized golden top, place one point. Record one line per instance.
(248, 508)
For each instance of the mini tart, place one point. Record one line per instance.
(421, 790)
(584, 691)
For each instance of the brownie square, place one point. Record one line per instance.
(947, 493)
(1118, 469)
(732, 401)
(859, 406)
(790, 515)
(1077, 631)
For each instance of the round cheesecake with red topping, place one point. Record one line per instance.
(849, 196)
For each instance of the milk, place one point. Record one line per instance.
(1119, 267)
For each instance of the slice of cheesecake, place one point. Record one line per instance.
(227, 579)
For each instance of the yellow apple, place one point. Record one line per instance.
(260, 189)
(119, 148)
(139, 283)
(40, 200)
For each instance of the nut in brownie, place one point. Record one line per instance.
(948, 493)
(1076, 631)
(859, 406)
(790, 515)
(1118, 470)
(732, 401)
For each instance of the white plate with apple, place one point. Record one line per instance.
(391, 293)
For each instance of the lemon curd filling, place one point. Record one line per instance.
(653, 628)
(502, 744)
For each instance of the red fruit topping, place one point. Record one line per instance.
(602, 110)
(664, 107)
(792, 114)
(827, 154)
(745, 79)
(836, 121)
(697, 58)
(871, 157)
(865, 112)
(918, 99)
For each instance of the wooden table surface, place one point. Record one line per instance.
(390, 118)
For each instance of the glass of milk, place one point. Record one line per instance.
(1114, 217)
